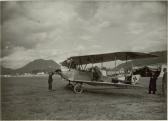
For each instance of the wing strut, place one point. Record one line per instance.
(115, 64)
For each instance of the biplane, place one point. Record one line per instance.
(78, 73)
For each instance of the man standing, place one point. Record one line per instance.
(96, 74)
(164, 82)
(50, 80)
(152, 83)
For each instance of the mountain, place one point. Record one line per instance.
(6, 70)
(39, 65)
(161, 59)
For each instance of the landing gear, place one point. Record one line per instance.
(78, 88)
(75, 86)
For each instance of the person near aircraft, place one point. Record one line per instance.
(164, 82)
(50, 80)
(128, 77)
(96, 74)
(152, 83)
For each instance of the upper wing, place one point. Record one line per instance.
(87, 59)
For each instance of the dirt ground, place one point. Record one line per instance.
(27, 98)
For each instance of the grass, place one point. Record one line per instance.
(28, 98)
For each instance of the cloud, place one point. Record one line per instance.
(69, 28)
(35, 24)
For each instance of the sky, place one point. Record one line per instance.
(59, 29)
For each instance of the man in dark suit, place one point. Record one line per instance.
(164, 82)
(50, 80)
(152, 83)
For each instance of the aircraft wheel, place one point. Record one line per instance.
(78, 88)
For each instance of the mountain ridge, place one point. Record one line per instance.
(35, 66)
(41, 65)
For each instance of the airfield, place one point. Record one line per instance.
(28, 98)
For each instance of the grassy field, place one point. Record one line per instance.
(28, 98)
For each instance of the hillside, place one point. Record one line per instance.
(162, 58)
(41, 65)
(35, 66)
(6, 70)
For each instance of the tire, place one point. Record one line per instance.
(78, 88)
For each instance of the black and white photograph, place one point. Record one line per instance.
(83, 60)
